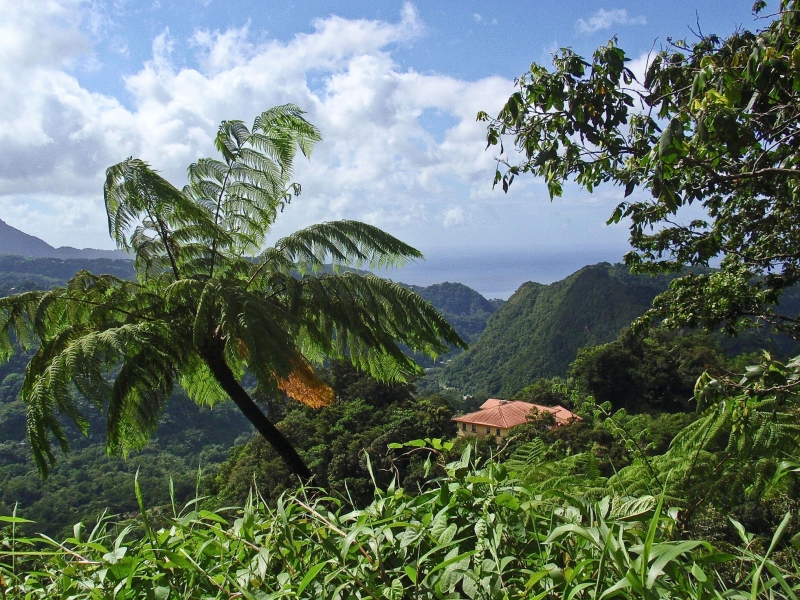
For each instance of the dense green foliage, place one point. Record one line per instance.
(727, 459)
(475, 533)
(538, 331)
(22, 274)
(87, 481)
(715, 123)
(638, 499)
(367, 416)
(464, 308)
(654, 373)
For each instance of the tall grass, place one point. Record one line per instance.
(476, 533)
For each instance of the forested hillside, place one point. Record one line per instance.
(541, 328)
(23, 273)
(335, 441)
(463, 307)
(86, 481)
(538, 332)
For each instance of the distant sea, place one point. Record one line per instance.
(499, 274)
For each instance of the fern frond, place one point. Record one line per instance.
(365, 312)
(199, 383)
(346, 243)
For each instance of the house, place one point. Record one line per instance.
(496, 417)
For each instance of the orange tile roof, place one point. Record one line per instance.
(510, 413)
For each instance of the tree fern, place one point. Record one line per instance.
(576, 473)
(212, 302)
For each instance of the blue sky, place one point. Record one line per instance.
(394, 87)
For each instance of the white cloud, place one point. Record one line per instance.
(605, 19)
(377, 162)
(223, 51)
(477, 18)
(454, 217)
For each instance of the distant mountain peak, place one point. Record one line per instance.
(14, 241)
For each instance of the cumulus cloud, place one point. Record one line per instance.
(605, 19)
(47, 135)
(377, 162)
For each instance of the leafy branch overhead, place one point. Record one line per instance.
(212, 301)
(714, 123)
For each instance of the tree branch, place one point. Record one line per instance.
(759, 173)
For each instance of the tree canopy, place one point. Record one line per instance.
(212, 301)
(714, 123)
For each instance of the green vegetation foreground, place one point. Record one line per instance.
(474, 533)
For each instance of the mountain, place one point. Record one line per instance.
(14, 241)
(464, 308)
(539, 330)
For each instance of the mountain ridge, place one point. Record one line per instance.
(16, 242)
(538, 331)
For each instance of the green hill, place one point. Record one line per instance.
(464, 308)
(539, 331)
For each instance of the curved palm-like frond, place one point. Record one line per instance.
(244, 190)
(85, 331)
(365, 318)
(340, 243)
(732, 449)
(148, 215)
(257, 338)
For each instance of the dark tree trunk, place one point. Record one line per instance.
(223, 374)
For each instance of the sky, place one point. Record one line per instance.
(393, 86)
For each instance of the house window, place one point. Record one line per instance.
(488, 431)
(474, 428)
(498, 431)
(463, 427)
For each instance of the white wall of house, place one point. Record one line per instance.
(480, 431)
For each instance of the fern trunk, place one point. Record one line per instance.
(223, 374)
